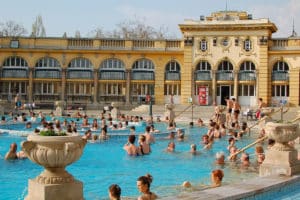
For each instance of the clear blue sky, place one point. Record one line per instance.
(61, 16)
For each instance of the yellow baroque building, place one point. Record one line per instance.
(225, 54)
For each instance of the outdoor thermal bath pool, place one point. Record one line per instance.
(105, 163)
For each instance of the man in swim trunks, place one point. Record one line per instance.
(236, 110)
(229, 106)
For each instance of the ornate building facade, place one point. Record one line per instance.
(225, 54)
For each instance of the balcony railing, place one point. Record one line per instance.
(112, 75)
(203, 76)
(142, 75)
(10, 72)
(280, 76)
(247, 76)
(50, 73)
(172, 76)
(225, 76)
(80, 74)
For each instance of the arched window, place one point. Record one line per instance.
(112, 69)
(225, 71)
(80, 63)
(143, 69)
(15, 67)
(172, 71)
(47, 62)
(47, 67)
(203, 71)
(80, 68)
(247, 71)
(280, 71)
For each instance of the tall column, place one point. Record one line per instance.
(236, 84)
(63, 83)
(264, 78)
(294, 87)
(30, 84)
(95, 92)
(214, 86)
(127, 91)
(256, 84)
(186, 78)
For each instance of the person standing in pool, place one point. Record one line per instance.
(130, 147)
(236, 110)
(216, 178)
(229, 106)
(12, 154)
(149, 136)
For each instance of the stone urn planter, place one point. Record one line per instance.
(281, 158)
(54, 153)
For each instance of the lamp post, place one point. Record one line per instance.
(191, 102)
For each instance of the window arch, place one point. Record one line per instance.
(247, 66)
(80, 63)
(47, 62)
(80, 68)
(280, 71)
(112, 69)
(280, 66)
(224, 72)
(15, 67)
(203, 71)
(112, 64)
(143, 64)
(47, 67)
(15, 61)
(143, 69)
(203, 66)
(247, 71)
(225, 66)
(172, 71)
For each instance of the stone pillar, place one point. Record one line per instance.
(264, 78)
(127, 91)
(214, 86)
(95, 92)
(63, 83)
(236, 84)
(257, 84)
(294, 86)
(281, 158)
(186, 79)
(30, 85)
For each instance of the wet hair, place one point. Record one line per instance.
(218, 174)
(260, 99)
(131, 139)
(230, 140)
(143, 138)
(146, 180)
(132, 128)
(148, 128)
(271, 142)
(194, 147)
(247, 158)
(259, 149)
(115, 191)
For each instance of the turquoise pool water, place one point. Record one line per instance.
(105, 163)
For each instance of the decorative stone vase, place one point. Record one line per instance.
(54, 153)
(281, 158)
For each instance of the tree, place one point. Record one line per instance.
(38, 29)
(12, 29)
(137, 29)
